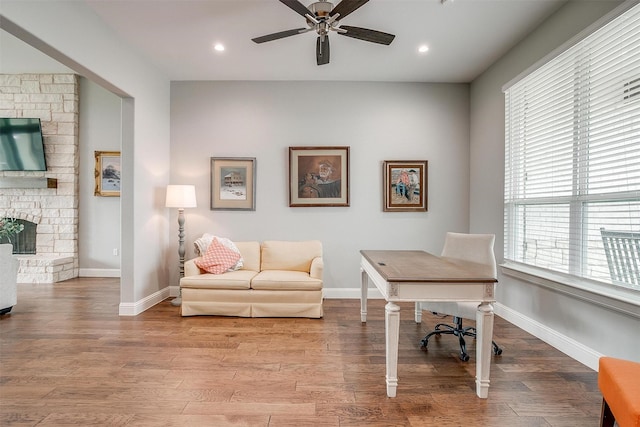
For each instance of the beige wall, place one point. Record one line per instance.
(378, 121)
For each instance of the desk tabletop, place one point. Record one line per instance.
(421, 266)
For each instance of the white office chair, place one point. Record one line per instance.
(476, 248)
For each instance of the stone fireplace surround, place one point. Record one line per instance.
(54, 99)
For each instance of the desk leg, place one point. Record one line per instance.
(484, 331)
(392, 332)
(364, 289)
(418, 314)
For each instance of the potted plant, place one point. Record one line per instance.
(9, 227)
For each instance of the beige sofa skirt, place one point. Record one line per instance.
(251, 303)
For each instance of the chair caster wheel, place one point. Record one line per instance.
(423, 345)
(497, 351)
(464, 357)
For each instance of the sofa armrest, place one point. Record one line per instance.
(317, 267)
(191, 269)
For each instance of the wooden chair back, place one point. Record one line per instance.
(622, 249)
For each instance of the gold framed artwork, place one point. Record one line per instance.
(318, 176)
(404, 185)
(107, 173)
(233, 183)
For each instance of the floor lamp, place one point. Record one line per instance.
(181, 197)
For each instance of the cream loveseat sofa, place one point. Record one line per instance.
(277, 279)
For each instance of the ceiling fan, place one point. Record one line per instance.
(322, 18)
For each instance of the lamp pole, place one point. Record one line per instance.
(178, 300)
(180, 196)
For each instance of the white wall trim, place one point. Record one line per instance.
(99, 272)
(570, 347)
(133, 309)
(350, 293)
(616, 298)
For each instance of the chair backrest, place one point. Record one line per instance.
(477, 248)
(622, 249)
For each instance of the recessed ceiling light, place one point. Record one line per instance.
(423, 49)
(218, 47)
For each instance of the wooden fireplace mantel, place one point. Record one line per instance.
(28, 182)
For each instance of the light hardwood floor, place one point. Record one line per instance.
(68, 359)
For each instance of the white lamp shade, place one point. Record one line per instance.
(181, 196)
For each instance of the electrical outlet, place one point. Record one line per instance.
(115, 251)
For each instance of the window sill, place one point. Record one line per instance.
(616, 298)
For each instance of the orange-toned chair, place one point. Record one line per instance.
(619, 383)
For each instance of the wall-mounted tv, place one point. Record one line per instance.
(21, 145)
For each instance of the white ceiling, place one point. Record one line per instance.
(464, 38)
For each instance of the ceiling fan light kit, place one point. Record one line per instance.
(323, 18)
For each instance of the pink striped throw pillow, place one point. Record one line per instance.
(218, 258)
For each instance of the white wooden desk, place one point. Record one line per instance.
(419, 276)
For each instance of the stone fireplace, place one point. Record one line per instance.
(52, 207)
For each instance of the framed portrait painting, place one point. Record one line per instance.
(318, 176)
(233, 183)
(107, 173)
(404, 185)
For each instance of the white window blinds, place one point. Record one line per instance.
(572, 159)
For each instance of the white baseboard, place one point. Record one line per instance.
(569, 346)
(349, 293)
(133, 309)
(99, 272)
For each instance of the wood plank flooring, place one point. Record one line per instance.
(68, 359)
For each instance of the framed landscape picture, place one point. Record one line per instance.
(233, 183)
(107, 173)
(404, 185)
(318, 176)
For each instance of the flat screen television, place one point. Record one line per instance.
(21, 145)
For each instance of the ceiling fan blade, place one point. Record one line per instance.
(345, 7)
(280, 35)
(297, 6)
(367, 34)
(322, 50)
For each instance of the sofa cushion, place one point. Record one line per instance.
(240, 279)
(218, 258)
(250, 252)
(291, 256)
(285, 280)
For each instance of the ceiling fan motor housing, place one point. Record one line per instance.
(321, 8)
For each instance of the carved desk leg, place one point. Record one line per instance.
(484, 331)
(418, 315)
(364, 286)
(392, 332)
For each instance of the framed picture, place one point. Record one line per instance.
(404, 185)
(318, 176)
(233, 183)
(107, 173)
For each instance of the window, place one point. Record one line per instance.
(572, 156)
